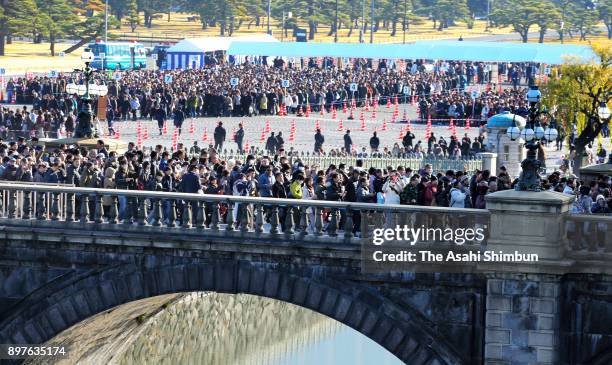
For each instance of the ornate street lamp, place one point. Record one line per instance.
(604, 115)
(533, 134)
(85, 127)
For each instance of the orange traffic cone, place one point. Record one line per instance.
(384, 126)
(267, 127)
(191, 128)
(467, 124)
(205, 135)
(307, 110)
(146, 134)
(344, 109)
(451, 125)
(262, 138)
(334, 115)
(341, 125)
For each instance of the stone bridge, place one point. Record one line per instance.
(65, 256)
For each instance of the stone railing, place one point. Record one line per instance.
(589, 236)
(526, 222)
(290, 218)
(469, 164)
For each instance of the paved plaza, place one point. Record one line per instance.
(303, 140)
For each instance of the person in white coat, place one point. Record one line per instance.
(392, 189)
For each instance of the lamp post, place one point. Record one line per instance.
(269, 9)
(336, 25)
(405, 25)
(604, 115)
(372, 23)
(85, 127)
(533, 134)
(106, 22)
(362, 28)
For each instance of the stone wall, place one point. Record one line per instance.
(522, 319)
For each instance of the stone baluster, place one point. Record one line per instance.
(364, 224)
(201, 215)
(129, 208)
(157, 212)
(84, 208)
(244, 218)
(172, 214)
(318, 224)
(114, 210)
(303, 221)
(40, 206)
(12, 204)
(259, 218)
(70, 207)
(274, 220)
(142, 212)
(348, 224)
(332, 228)
(55, 206)
(27, 205)
(215, 217)
(230, 217)
(289, 223)
(186, 223)
(99, 211)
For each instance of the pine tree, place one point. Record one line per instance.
(521, 15)
(60, 19)
(15, 18)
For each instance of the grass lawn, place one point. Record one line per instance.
(179, 27)
(22, 57)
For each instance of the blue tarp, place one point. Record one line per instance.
(553, 54)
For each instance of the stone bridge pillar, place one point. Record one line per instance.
(489, 161)
(530, 223)
(522, 302)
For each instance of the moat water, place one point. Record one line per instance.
(211, 328)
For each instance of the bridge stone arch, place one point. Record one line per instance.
(75, 297)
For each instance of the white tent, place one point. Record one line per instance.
(189, 53)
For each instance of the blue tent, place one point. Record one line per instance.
(552, 54)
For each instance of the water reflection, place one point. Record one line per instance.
(211, 328)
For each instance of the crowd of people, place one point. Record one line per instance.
(442, 90)
(273, 176)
